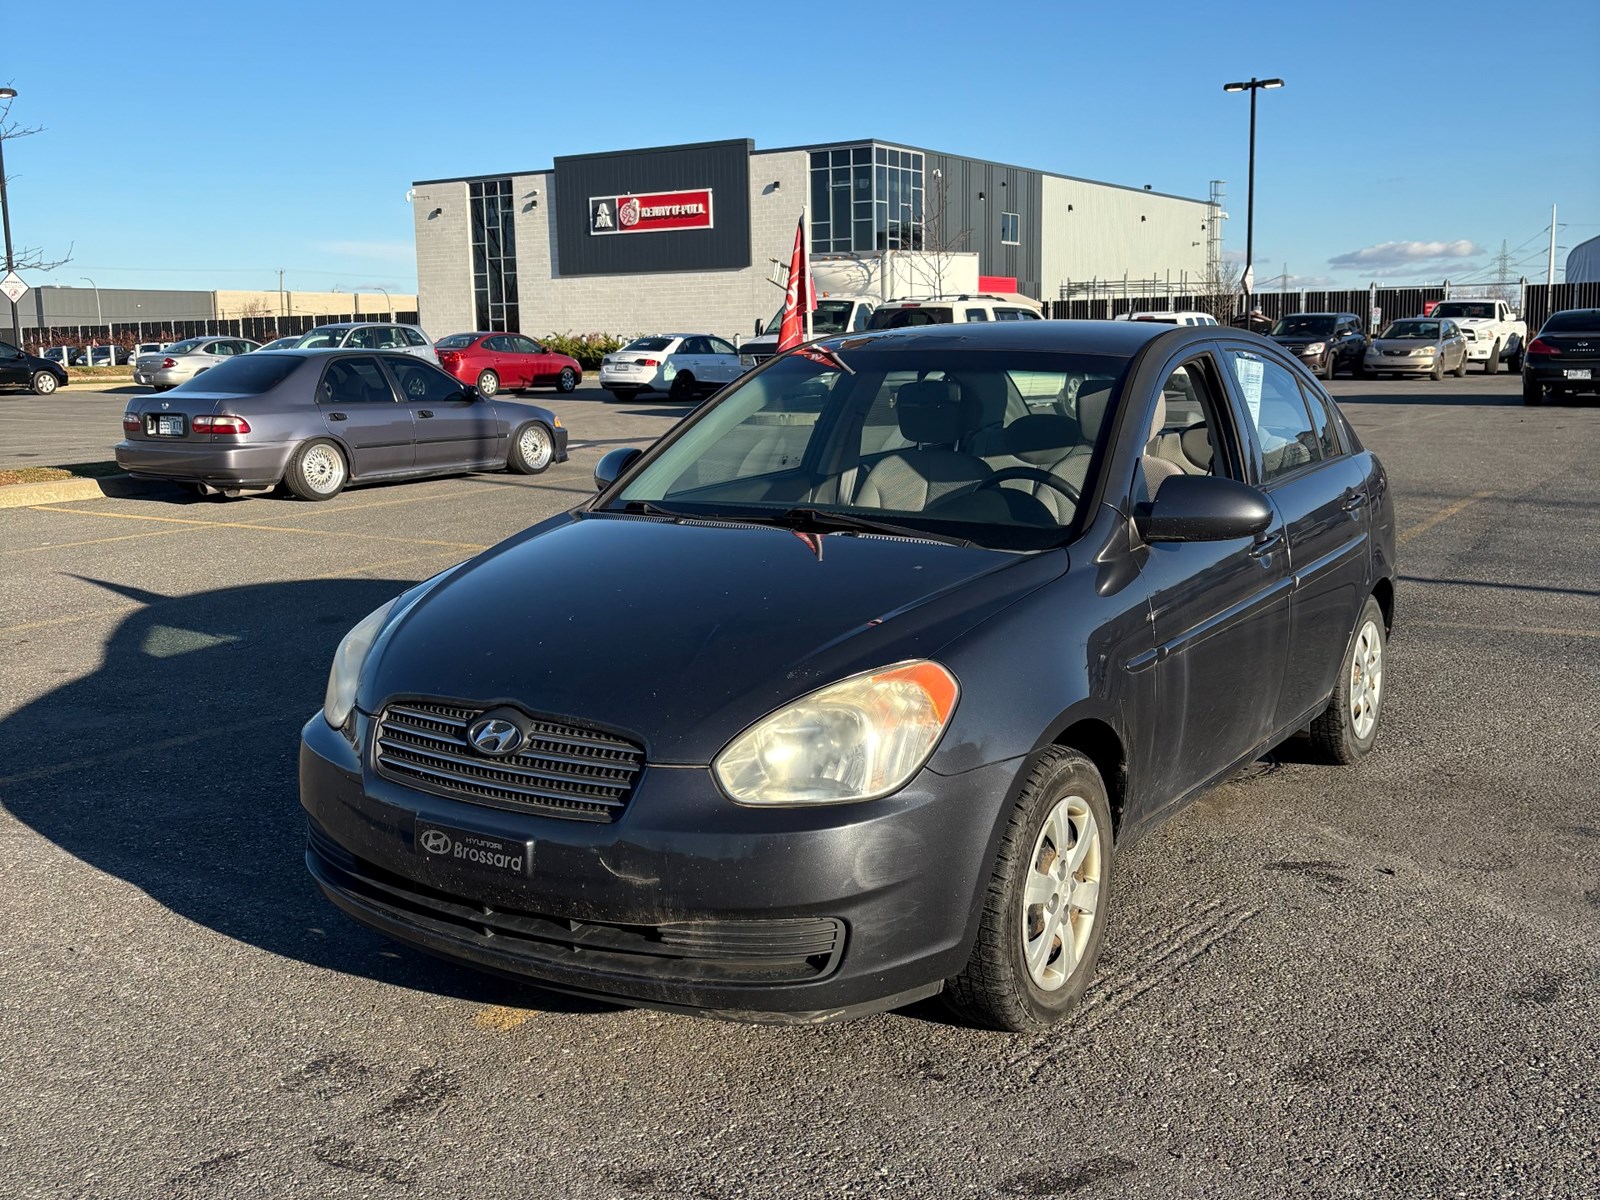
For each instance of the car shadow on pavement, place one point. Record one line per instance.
(173, 766)
(1426, 391)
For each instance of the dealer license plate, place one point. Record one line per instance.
(1578, 373)
(443, 845)
(164, 425)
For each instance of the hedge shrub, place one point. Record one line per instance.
(587, 348)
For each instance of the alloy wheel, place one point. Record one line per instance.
(1366, 680)
(323, 469)
(535, 447)
(1061, 894)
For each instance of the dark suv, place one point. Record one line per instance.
(1325, 342)
(19, 369)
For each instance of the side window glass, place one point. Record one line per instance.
(388, 338)
(496, 345)
(1326, 427)
(354, 381)
(412, 336)
(421, 383)
(977, 314)
(524, 345)
(718, 346)
(366, 339)
(1186, 429)
(1275, 406)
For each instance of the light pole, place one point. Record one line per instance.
(98, 319)
(387, 301)
(8, 94)
(1253, 86)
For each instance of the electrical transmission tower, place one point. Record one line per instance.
(1502, 272)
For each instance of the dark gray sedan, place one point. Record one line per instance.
(315, 421)
(864, 674)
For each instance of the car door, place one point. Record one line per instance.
(1219, 609)
(455, 426)
(1320, 493)
(690, 357)
(360, 409)
(536, 364)
(1454, 347)
(722, 361)
(14, 368)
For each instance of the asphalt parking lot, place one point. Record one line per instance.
(1318, 981)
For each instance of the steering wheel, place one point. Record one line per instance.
(1037, 475)
(416, 385)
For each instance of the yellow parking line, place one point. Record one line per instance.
(121, 537)
(88, 616)
(1548, 630)
(1438, 518)
(372, 537)
(100, 760)
(497, 1018)
(335, 510)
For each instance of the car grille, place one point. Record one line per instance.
(563, 770)
(756, 356)
(781, 950)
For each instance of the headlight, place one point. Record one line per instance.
(858, 739)
(1425, 351)
(1316, 347)
(347, 663)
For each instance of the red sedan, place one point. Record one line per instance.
(506, 362)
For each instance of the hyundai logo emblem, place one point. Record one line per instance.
(494, 736)
(435, 841)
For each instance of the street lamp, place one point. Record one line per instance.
(9, 93)
(387, 301)
(98, 319)
(1253, 86)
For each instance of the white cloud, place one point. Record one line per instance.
(1393, 254)
(387, 251)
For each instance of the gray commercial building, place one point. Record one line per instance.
(682, 237)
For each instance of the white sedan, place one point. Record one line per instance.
(684, 365)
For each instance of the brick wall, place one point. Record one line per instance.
(444, 258)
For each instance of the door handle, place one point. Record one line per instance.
(337, 417)
(1266, 545)
(1353, 500)
(424, 412)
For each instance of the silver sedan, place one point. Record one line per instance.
(1417, 346)
(314, 421)
(182, 361)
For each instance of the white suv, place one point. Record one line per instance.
(368, 335)
(949, 310)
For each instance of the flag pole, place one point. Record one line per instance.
(805, 279)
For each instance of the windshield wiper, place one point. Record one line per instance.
(649, 509)
(824, 520)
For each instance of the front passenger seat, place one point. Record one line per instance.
(934, 414)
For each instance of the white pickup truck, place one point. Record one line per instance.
(844, 314)
(1493, 332)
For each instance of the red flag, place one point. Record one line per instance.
(796, 297)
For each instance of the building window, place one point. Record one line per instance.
(1009, 226)
(865, 198)
(494, 256)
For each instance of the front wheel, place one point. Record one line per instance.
(567, 380)
(1438, 369)
(317, 471)
(1348, 727)
(1461, 367)
(488, 383)
(532, 450)
(1042, 922)
(44, 383)
(1491, 365)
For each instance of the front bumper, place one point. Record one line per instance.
(630, 383)
(1398, 366)
(605, 909)
(216, 463)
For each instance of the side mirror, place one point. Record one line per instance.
(470, 392)
(758, 326)
(613, 464)
(1203, 508)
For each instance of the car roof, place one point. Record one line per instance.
(1094, 337)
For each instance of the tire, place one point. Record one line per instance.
(488, 383)
(1515, 361)
(1438, 370)
(567, 381)
(44, 383)
(1532, 392)
(532, 451)
(682, 389)
(1332, 368)
(1491, 365)
(1461, 367)
(1340, 732)
(317, 470)
(998, 988)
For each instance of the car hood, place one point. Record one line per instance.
(1405, 344)
(1302, 339)
(678, 636)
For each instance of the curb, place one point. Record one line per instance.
(56, 491)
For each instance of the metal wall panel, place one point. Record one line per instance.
(973, 223)
(724, 167)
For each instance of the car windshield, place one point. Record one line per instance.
(649, 343)
(187, 347)
(1427, 331)
(985, 447)
(1575, 320)
(831, 316)
(1303, 325)
(1457, 308)
(456, 341)
(319, 339)
(246, 375)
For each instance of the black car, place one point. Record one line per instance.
(847, 691)
(20, 369)
(1564, 358)
(1326, 342)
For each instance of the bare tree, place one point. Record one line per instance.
(1218, 293)
(25, 258)
(936, 245)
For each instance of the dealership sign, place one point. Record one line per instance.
(654, 213)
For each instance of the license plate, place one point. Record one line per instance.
(1577, 373)
(443, 845)
(164, 425)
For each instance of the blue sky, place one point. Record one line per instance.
(207, 146)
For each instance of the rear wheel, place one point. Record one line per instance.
(1348, 727)
(567, 380)
(488, 383)
(532, 450)
(682, 387)
(44, 383)
(1491, 365)
(1532, 391)
(1514, 363)
(317, 471)
(1041, 927)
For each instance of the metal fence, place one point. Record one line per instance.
(257, 329)
(1107, 299)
